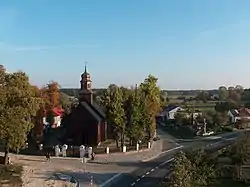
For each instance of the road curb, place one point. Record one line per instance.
(169, 150)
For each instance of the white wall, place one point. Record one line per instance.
(233, 120)
(172, 113)
(57, 121)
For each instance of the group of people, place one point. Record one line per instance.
(48, 154)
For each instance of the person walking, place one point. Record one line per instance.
(48, 156)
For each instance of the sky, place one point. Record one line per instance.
(186, 44)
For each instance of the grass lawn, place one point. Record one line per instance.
(180, 132)
(230, 183)
(10, 175)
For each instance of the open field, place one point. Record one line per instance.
(195, 105)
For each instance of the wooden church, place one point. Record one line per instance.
(86, 124)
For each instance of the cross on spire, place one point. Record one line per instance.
(85, 66)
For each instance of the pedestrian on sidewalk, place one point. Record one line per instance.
(93, 156)
(48, 156)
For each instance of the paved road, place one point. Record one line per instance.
(150, 173)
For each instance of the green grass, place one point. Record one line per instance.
(180, 132)
(10, 175)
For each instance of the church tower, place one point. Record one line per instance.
(86, 93)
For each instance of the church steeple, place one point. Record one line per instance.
(85, 93)
(85, 70)
(85, 79)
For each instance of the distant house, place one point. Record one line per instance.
(57, 114)
(170, 111)
(236, 115)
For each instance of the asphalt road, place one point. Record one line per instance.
(150, 173)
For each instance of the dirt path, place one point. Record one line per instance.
(37, 172)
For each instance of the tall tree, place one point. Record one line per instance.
(113, 102)
(51, 95)
(19, 105)
(135, 118)
(164, 100)
(151, 93)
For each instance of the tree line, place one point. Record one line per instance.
(132, 112)
(23, 107)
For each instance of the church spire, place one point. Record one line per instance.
(85, 71)
(85, 91)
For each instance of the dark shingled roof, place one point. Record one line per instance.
(99, 109)
(94, 109)
(95, 114)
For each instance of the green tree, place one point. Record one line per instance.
(193, 168)
(182, 118)
(113, 100)
(182, 177)
(225, 106)
(223, 93)
(203, 96)
(220, 118)
(135, 117)
(164, 99)
(151, 93)
(66, 102)
(203, 167)
(19, 105)
(240, 152)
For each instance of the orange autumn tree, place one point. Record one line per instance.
(51, 97)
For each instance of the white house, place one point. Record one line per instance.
(170, 111)
(239, 114)
(57, 114)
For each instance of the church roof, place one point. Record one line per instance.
(99, 109)
(92, 111)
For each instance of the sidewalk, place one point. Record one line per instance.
(59, 172)
(129, 156)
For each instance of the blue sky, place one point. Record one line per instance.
(187, 44)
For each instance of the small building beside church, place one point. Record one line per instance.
(86, 124)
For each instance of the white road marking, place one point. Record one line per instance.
(110, 179)
(170, 160)
(169, 150)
